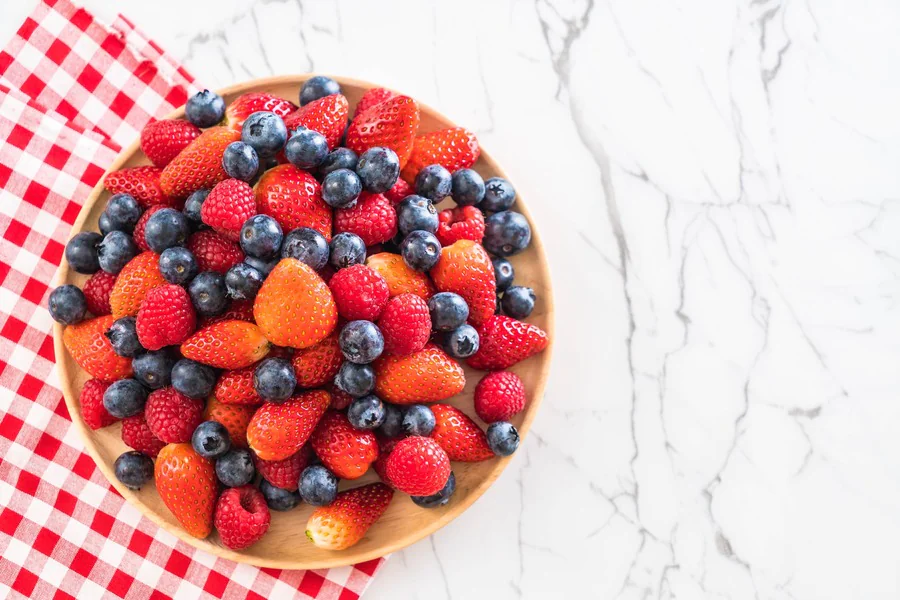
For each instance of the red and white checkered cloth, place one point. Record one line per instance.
(72, 92)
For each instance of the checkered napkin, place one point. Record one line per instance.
(72, 92)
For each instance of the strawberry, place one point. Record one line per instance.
(465, 269)
(399, 277)
(235, 418)
(385, 447)
(246, 104)
(400, 191)
(326, 115)
(171, 416)
(405, 324)
(137, 435)
(97, 290)
(294, 307)
(141, 182)
(390, 124)
(499, 396)
(166, 317)
(139, 276)
(90, 348)
(228, 206)
(213, 252)
(284, 473)
(242, 517)
(372, 218)
(359, 292)
(339, 398)
(317, 365)
(92, 410)
(199, 165)
(238, 310)
(277, 431)
(226, 345)
(187, 485)
(236, 387)
(453, 148)
(371, 98)
(418, 466)
(293, 197)
(162, 140)
(460, 223)
(141, 227)
(504, 341)
(424, 376)
(458, 435)
(345, 450)
(346, 520)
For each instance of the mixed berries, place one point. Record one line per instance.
(277, 305)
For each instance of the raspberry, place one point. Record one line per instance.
(96, 292)
(285, 473)
(92, 410)
(373, 219)
(405, 324)
(136, 434)
(213, 252)
(172, 416)
(141, 225)
(359, 292)
(166, 317)
(499, 396)
(228, 206)
(242, 517)
(460, 223)
(418, 466)
(400, 191)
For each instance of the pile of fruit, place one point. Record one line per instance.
(276, 305)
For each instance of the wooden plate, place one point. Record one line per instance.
(285, 545)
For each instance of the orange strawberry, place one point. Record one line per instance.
(226, 345)
(399, 277)
(428, 375)
(91, 349)
(293, 197)
(186, 482)
(199, 165)
(371, 98)
(317, 365)
(453, 148)
(504, 341)
(345, 450)
(278, 430)
(460, 437)
(294, 307)
(326, 115)
(391, 124)
(138, 277)
(246, 104)
(345, 521)
(141, 182)
(465, 268)
(236, 387)
(162, 140)
(234, 417)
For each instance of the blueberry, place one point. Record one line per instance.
(415, 213)
(243, 281)
(518, 301)
(277, 498)
(205, 109)
(392, 426)
(116, 249)
(341, 188)
(192, 207)
(503, 273)
(420, 250)
(265, 131)
(499, 194)
(122, 335)
(154, 369)
(418, 420)
(462, 342)
(308, 246)
(318, 486)
(134, 469)
(261, 236)
(506, 233)
(125, 398)
(81, 252)
(209, 294)
(378, 169)
(434, 182)
(193, 379)
(347, 249)
(67, 304)
(240, 161)
(177, 265)
(361, 342)
(356, 380)
(211, 439)
(339, 158)
(123, 212)
(235, 468)
(440, 498)
(274, 379)
(104, 223)
(318, 87)
(448, 311)
(166, 228)
(503, 438)
(467, 187)
(263, 266)
(306, 149)
(366, 413)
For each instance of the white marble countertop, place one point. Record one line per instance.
(718, 185)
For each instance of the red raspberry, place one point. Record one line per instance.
(400, 191)
(228, 206)
(242, 517)
(236, 387)
(141, 225)
(96, 292)
(460, 223)
(499, 396)
(213, 252)
(285, 473)
(162, 140)
(92, 410)
(359, 292)
(136, 434)
(385, 447)
(339, 398)
(326, 273)
(418, 466)
(166, 317)
(172, 416)
(405, 324)
(372, 218)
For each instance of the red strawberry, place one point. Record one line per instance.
(339, 398)
(458, 435)
(405, 324)
(141, 226)
(400, 191)
(504, 341)
(90, 348)
(141, 182)
(138, 277)
(97, 290)
(371, 98)
(460, 223)
(345, 450)
(465, 269)
(236, 387)
(359, 292)
(499, 396)
(235, 418)
(453, 148)
(137, 435)
(293, 197)
(385, 447)
(162, 140)
(246, 104)
(187, 485)
(372, 218)
(399, 277)
(284, 473)
(213, 252)
(238, 310)
(345, 521)
(390, 124)
(326, 115)
(317, 365)
(171, 416)
(279, 430)
(226, 345)
(242, 517)
(166, 317)
(228, 206)
(199, 165)
(418, 466)
(424, 376)
(92, 410)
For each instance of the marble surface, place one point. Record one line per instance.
(717, 183)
